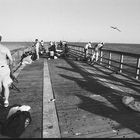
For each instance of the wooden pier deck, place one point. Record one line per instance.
(87, 100)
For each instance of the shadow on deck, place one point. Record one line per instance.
(30, 83)
(88, 100)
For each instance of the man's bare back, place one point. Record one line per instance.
(4, 54)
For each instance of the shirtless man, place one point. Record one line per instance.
(5, 71)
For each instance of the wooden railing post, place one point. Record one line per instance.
(138, 68)
(83, 52)
(101, 57)
(79, 51)
(109, 61)
(121, 63)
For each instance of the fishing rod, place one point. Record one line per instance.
(13, 86)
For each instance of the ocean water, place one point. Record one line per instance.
(17, 45)
(131, 48)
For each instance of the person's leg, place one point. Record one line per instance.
(37, 53)
(86, 53)
(97, 55)
(2, 73)
(6, 83)
(93, 58)
(6, 95)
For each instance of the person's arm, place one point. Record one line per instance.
(9, 56)
(90, 46)
(101, 47)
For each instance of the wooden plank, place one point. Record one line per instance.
(71, 82)
(50, 121)
(30, 95)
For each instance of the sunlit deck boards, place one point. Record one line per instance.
(88, 101)
(50, 120)
(31, 85)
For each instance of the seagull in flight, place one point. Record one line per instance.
(115, 28)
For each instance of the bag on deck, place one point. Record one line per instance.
(16, 124)
(34, 56)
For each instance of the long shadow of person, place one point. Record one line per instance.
(129, 120)
(123, 116)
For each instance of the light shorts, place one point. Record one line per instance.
(51, 53)
(5, 78)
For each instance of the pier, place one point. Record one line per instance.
(72, 99)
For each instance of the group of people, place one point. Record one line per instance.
(38, 48)
(57, 49)
(95, 51)
(33, 53)
(52, 51)
(6, 60)
(6, 72)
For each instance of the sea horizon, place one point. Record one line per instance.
(70, 42)
(125, 47)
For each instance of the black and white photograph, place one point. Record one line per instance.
(69, 69)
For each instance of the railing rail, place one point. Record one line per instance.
(123, 62)
(16, 55)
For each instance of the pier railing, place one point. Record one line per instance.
(118, 61)
(16, 55)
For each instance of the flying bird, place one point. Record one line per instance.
(115, 28)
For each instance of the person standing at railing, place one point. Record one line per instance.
(36, 48)
(86, 47)
(6, 72)
(96, 49)
(37, 45)
(65, 48)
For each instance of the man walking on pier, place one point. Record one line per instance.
(5, 71)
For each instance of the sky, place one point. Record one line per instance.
(70, 20)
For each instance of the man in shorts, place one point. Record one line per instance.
(5, 71)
